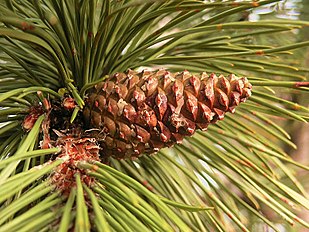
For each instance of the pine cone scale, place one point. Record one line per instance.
(161, 103)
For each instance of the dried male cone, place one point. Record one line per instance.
(73, 151)
(133, 113)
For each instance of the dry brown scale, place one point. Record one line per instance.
(133, 113)
(73, 151)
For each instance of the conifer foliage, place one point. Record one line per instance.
(102, 128)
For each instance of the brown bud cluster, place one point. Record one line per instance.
(133, 113)
(73, 150)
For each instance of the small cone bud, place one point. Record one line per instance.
(135, 113)
(69, 103)
(34, 113)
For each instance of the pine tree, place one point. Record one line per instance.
(149, 116)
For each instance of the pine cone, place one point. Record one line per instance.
(133, 113)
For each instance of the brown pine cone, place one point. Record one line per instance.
(133, 113)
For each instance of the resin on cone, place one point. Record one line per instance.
(133, 113)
